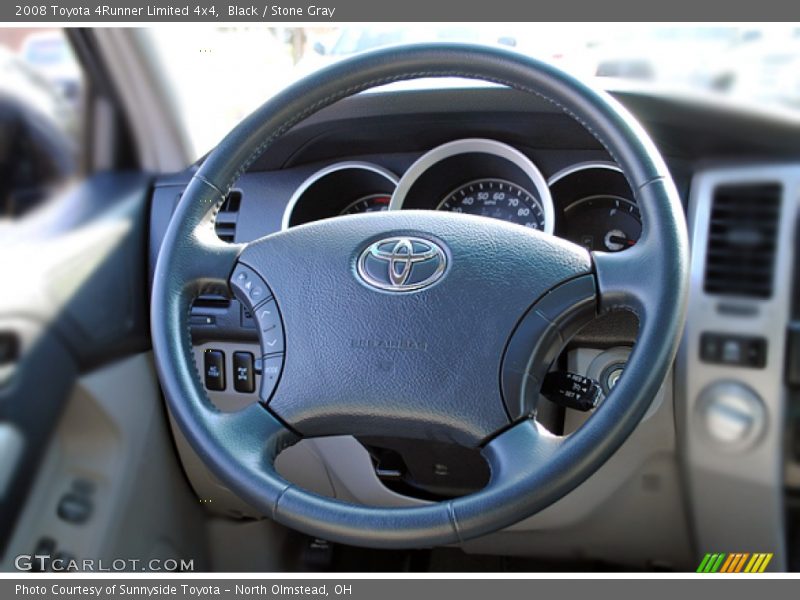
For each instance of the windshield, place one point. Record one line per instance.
(748, 64)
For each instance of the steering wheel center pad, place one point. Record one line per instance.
(423, 363)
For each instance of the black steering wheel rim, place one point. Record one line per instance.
(529, 468)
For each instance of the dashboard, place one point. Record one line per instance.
(713, 442)
(589, 203)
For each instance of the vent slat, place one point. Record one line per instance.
(743, 226)
(210, 301)
(225, 224)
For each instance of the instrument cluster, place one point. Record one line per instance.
(589, 203)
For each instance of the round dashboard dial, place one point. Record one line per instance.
(498, 199)
(370, 203)
(603, 222)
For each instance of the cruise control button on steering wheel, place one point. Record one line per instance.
(256, 296)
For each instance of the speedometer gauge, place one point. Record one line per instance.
(498, 199)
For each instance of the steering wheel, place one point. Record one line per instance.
(417, 324)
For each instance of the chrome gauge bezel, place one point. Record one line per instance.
(589, 165)
(330, 170)
(478, 146)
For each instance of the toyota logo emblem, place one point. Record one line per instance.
(402, 264)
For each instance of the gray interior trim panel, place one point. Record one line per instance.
(728, 483)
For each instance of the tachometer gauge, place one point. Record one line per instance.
(498, 199)
(607, 223)
(371, 203)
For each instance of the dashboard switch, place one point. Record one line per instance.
(271, 367)
(733, 350)
(731, 415)
(214, 369)
(710, 347)
(244, 379)
(74, 508)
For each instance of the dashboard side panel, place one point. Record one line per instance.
(730, 484)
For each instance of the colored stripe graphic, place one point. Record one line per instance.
(703, 564)
(718, 564)
(737, 562)
(749, 566)
(761, 562)
(740, 564)
(757, 564)
(728, 562)
(765, 563)
(711, 563)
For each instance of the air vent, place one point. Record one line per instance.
(225, 225)
(207, 302)
(742, 235)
